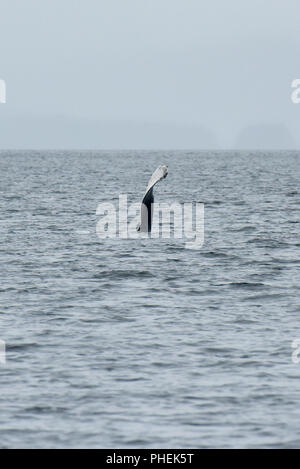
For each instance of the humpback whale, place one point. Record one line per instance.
(147, 209)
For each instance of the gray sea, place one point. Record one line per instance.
(122, 343)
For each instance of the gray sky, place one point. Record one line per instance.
(149, 73)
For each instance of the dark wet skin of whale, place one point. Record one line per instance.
(147, 204)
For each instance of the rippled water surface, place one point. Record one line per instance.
(144, 343)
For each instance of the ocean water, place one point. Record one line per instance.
(143, 343)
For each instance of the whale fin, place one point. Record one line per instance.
(146, 211)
